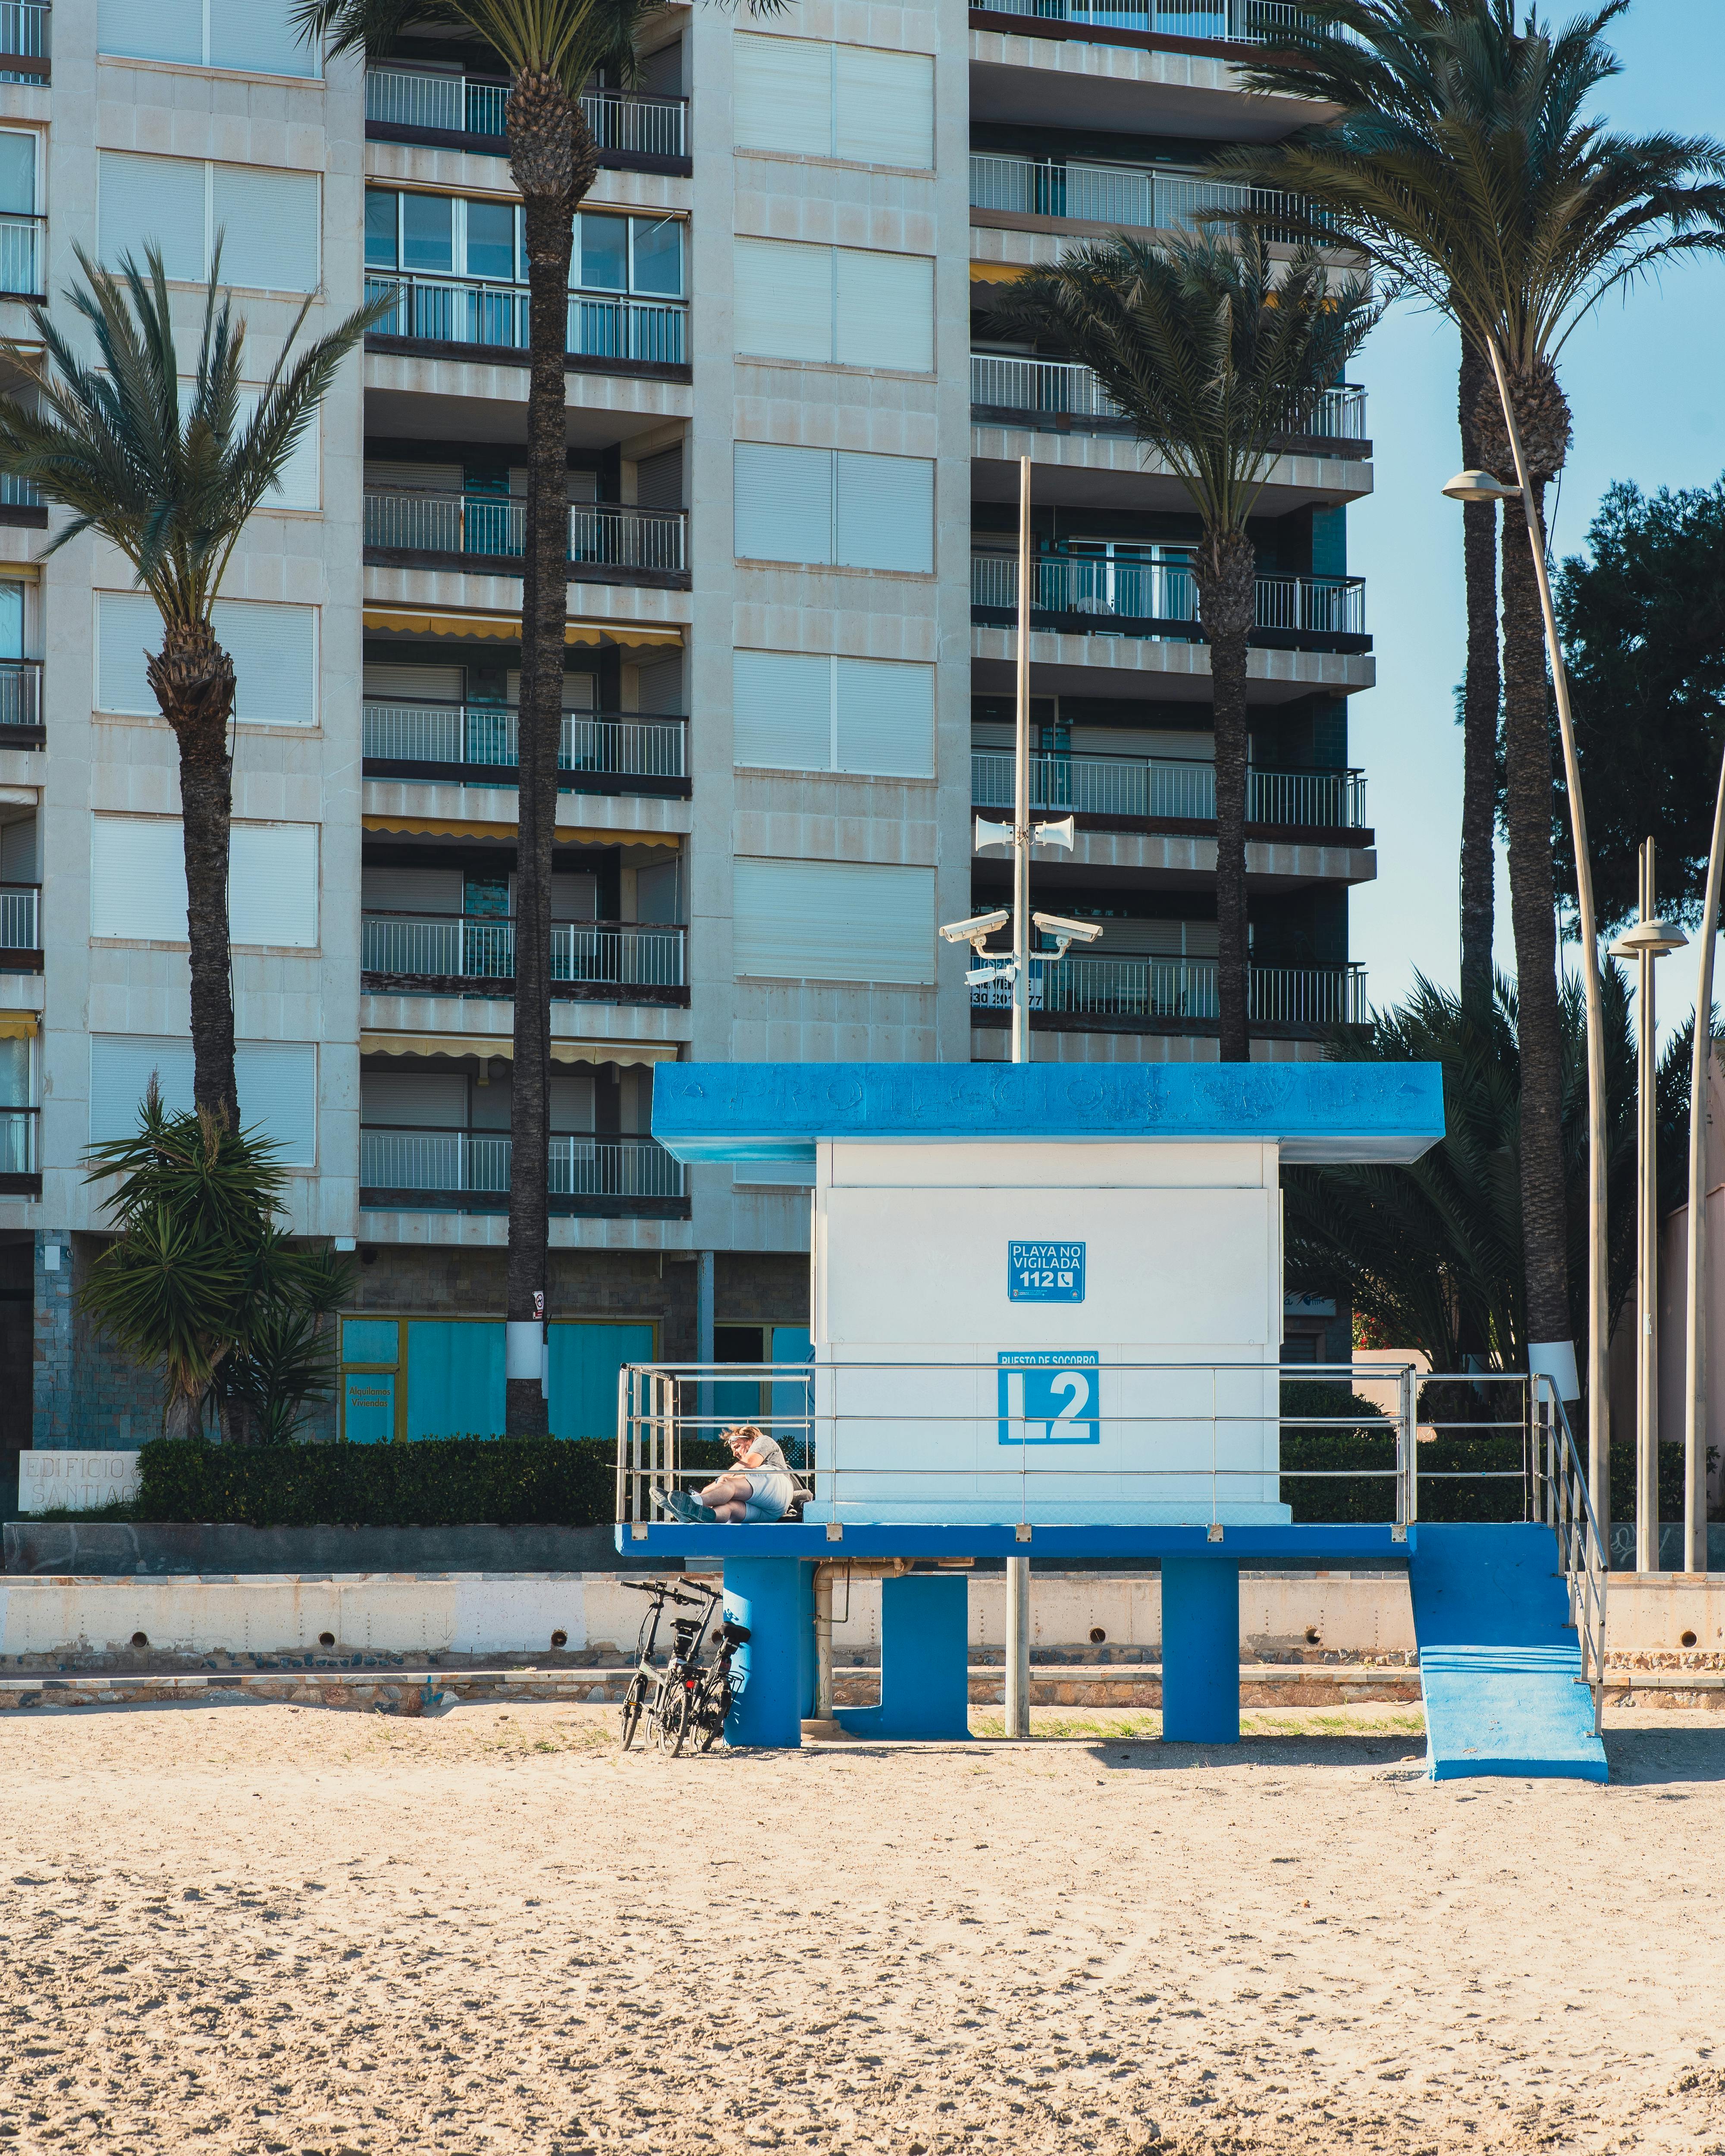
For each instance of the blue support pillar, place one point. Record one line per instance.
(770, 1595)
(925, 1657)
(1200, 1651)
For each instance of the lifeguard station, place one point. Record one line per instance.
(1046, 1308)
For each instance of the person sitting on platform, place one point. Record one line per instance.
(761, 1486)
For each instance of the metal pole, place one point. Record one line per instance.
(1646, 1248)
(1695, 1361)
(1598, 1412)
(1018, 1646)
(822, 1643)
(1018, 1568)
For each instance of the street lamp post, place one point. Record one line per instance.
(1695, 1360)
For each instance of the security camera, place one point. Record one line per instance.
(973, 930)
(1071, 932)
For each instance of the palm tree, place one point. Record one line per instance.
(171, 478)
(1215, 355)
(1493, 197)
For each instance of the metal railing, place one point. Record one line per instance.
(1567, 1506)
(1063, 389)
(1179, 987)
(475, 311)
(1163, 591)
(23, 29)
(23, 245)
(453, 103)
(599, 533)
(459, 1162)
(20, 916)
(459, 947)
(1166, 786)
(20, 692)
(487, 736)
(18, 1141)
(16, 493)
(1161, 200)
(1237, 22)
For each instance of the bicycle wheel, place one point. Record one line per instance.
(633, 1701)
(715, 1707)
(674, 1720)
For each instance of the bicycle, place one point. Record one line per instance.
(714, 1696)
(647, 1686)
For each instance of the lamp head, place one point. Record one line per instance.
(1649, 939)
(1481, 486)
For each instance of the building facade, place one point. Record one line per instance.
(793, 453)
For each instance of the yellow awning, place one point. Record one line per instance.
(494, 1043)
(993, 273)
(507, 628)
(17, 1025)
(459, 827)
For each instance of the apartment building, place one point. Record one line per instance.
(792, 451)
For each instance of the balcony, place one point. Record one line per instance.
(20, 1164)
(409, 104)
(478, 745)
(591, 962)
(20, 927)
(1171, 994)
(404, 1168)
(1140, 788)
(24, 40)
(1156, 597)
(24, 246)
(21, 703)
(474, 314)
(1059, 394)
(1231, 22)
(608, 545)
(1163, 199)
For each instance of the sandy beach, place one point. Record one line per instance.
(264, 1928)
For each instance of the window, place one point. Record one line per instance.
(477, 237)
(138, 882)
(812, 712)
(836, 506)
(834, 920)
(255, 36)
(266, 219)
(18, 173)
(273, 648)
(11, 619)
(811, 100)
(843, 304)
(277, 1081)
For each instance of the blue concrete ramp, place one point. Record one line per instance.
(1498, 1662)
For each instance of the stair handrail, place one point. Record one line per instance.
(1567, 1505)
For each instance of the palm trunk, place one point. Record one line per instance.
(192, 679)
(554, 163)
(1480, 697)
(1528, 813)
(1225, 569)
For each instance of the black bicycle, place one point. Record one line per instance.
(646, 1687)
(714, 1694)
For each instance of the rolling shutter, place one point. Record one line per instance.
(137, 878)
(658, 480)
(274, 653)
(268, 223)
(277, 1082)
(884, 107)
(886, 311)
(258, 35)
(885, 516)
(885, 718)
(784, 300)
(782, 710)
(120, 1067)
(128, 627)
(152, 201)
(834, 920)
(151, 29)
(430, 1100)
(391, 889)
(411, 685)
(784, 505)
(782, 95)
(272, 884)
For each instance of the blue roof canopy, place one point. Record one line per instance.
(1315, 1112)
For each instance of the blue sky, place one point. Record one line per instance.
(1646, 385)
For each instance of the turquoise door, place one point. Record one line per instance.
(369, 1406)
(454, 1379)
(584, 1363)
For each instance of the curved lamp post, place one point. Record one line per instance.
(1695, 1363)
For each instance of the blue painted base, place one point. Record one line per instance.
(1257, 1545)
(1200, 1651)
(773, 1671)
(925, 1689)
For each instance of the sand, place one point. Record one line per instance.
(258, 1927)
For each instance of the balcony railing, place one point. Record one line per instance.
(18, 1141)
(23, 29)
(455, 103)
(20, 693)
(599, 534)
(1164, 591)
(456, 946)
(22, 243)
(1114, 195)
(1180, 988)
(1239, 21)
(486, 736)
(469, 310)
(445, 1162)
(1179, 787)
(1059, 388)
(20, 911)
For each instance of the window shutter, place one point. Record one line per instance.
(152, 201)
(258, 35)
(152, 30)
(137, 878)
(834, 920)
(658, 480)
(782, 710)
(782, 95)
(389, 890)
(578, 690)
(277, 1083)
(784, 505)
(128, 627)
(784, 300)
(886, 311)
(268, 221)
(575, 897)
(411, 685)
(17, 856)
(885, 718)
(298, 486)
(274, 653)
(120, 1067)
(414, 477)
(272, 884)
(434, 1099)
(884, 107)
(886, 512)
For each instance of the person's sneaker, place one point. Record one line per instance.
(689, 1509)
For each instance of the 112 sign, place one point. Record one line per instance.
(1044, 1272)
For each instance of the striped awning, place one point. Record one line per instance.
(500, 1044)
(507, 628)
(462, 827)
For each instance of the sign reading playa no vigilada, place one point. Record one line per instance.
(1044, 1272)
